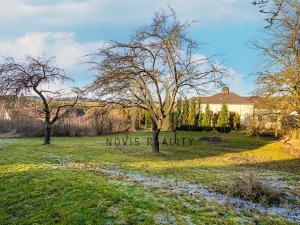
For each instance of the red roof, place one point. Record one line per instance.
(220, 98)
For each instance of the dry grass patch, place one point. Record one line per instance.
(252, 189)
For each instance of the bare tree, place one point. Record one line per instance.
(34, 75)
(100, 117)
(272, 9)
(278, 82)
(150, 69)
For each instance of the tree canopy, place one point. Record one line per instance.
(278, 81)
(158, 62)
(34, 75)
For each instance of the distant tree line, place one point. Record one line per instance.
(84, 119)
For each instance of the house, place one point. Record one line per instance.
(236, 103)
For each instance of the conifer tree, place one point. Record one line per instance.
(199, 119)
(148, 121)
(236, 121)
(223, 119)
(192, 112)
(199, 108)
(179, 111)
(185, 112)
(206, 120)
(199, 113)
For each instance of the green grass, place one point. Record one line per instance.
(56, 184)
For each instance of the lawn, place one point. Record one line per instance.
(77, 180)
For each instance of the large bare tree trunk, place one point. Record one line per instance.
(47, 130)
(47, 127)
(155, 140)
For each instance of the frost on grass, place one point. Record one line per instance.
(57, 159)
(4, 142)
(163, 219)
(290, 211)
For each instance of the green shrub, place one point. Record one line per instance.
(225, 129)
(234, 120)
(195, 128)
(223, 118)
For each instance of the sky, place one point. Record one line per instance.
(70, 29)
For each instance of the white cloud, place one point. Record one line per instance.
(60, 44)
(69, 53)
(237, 82)
(67, 12)
(21, 16)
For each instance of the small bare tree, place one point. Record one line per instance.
(100, 117)
(34, 75)
(149, 70)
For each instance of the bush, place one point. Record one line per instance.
(252, 189)
(226, 129)
(207, 128)
(24, 127)
(63, 127)
(195, 128)
(234, 120)
(223, 118)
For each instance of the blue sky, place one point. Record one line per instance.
(69, 29)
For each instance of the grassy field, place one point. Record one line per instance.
(63, 183)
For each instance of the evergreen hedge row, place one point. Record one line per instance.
(226, 129)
